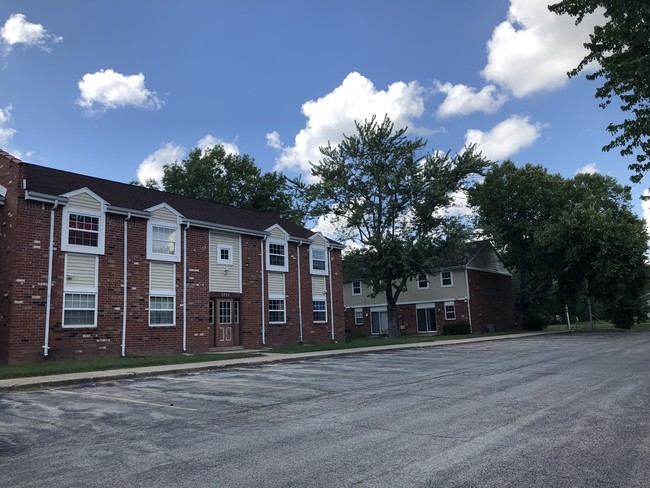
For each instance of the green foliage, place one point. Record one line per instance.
(457, 329)
(560, 236)
(233, 179)
(620, 48)
(624, 315)
(534, 322)
(388, 197)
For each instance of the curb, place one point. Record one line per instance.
(41, 382)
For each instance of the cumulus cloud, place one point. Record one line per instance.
(109, 89)
(152, 166)
(17, 30)
(273, 140)
(534, 48)
(463, 100)
(209, 141)
(588, 169)
(334, 114)
(506, 138)
(6, 132)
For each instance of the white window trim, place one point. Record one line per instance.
(417, 278)
(80, 290)
(166, 294)
(357, 310)
(176, 257)
(451, 277)
(271, 267)
(449, 304)
(360, 288)
(225, 247)
(323, 299)
(323, 272)
(284, 301)
(65, 246)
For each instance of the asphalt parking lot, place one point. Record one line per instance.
(561, 411)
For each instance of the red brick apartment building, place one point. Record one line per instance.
(91, 267)
(473, 287)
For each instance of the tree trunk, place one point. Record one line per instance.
(391, 311)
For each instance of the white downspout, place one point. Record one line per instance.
(329, 259)
(46, 345)
(126, 256)
(263, 291)
(469, 303)
(185, 287)
(299, 292)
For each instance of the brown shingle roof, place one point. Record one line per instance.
(57, 182)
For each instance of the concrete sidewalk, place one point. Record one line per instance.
(36, 382)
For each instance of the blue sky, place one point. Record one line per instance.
(117, 88)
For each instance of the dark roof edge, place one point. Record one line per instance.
(225, 228)
(44, 197)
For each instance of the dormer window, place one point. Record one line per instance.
(83, 231)
(276, 255)
(84, 222)
(318, 261)
(162, 242)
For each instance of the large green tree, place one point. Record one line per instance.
(233, 179)
(620, 48)
(380, 187)
(563, 235)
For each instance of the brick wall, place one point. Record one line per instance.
(491, 301)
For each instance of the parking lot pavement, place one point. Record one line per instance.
(567, 410)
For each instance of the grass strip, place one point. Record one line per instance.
(49, 367)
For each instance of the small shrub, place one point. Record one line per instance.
(457, 329)
(534, 322)
(623, 317)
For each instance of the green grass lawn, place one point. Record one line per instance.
(48, 367)
(598, 326)
(371, 342)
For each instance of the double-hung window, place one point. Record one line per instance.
(162, 294)
(356, 288)
(318, 261)
(161, 310)
(83, 231)
(450, 311)
(276, 311)
(319, 306)
(224, 254)
(163, 241)
(423, 281)
(277, 255)
(446, 279)
(358, 316)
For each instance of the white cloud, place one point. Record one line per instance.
(645, 205)
(506, 138)
(463, 100)
(18, 31)
(109, 89)
(6, 132)
(589, 169)
(333, 115)
(273, 140)
(152, 166)
(209, 141)
(534, 49)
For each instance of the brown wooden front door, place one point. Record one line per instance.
(227, 322)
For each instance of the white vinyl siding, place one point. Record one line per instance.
(80, 290)
(85, 201)
(225, 278)
(318, 286)
(165, 215)
(276, 284)
(162, 277)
